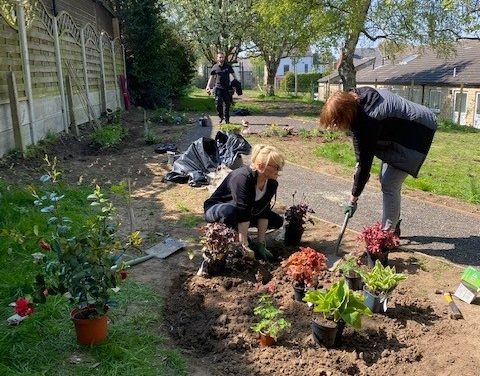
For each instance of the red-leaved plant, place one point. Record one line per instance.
(218, 240)
(298, 214)
(304, 266)
(378, 240)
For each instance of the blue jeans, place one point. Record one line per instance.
(391, 179)
(227, 213)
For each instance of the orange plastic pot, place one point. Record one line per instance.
(89, 331)
(266, 340)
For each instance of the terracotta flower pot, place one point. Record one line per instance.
(266, 340)
(90, 331)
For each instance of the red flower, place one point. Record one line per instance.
(123, 274)
(23, 307)
(44, 245)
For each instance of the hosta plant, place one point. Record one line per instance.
(339, 302)
(271, 319)
(303, 266)
(381, 279)
(378, 240)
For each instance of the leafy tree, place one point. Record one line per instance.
(407, 22)
(279, 29)
(213, 25)
(160, 63)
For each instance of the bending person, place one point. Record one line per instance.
(244, 198)
(385, 125)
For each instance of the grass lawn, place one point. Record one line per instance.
(45, 344)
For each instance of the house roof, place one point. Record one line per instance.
(359, 63)
(424, 67)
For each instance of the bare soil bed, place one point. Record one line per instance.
(210, 318)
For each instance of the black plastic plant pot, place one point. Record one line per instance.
(215, 267)
(382, 257)
(298, 293)
(354, 282)
(293, 236)
(376, 303)
(327, 332)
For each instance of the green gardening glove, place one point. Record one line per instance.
(263, 252)
(350, 208)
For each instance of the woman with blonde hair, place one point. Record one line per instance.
(383, 124)
(244, 198)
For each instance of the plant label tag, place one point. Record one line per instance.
(466, 292)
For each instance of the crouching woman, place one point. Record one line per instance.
(244, 198)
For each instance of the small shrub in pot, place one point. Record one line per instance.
(271, 320)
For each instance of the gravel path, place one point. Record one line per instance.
(429, 228)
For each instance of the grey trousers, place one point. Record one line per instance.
(391, 179)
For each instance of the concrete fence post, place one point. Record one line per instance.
(22, 33)
(85, 71)
(61, 82)
(103, 89)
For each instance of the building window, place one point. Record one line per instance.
(435, 100)
(286, 68)
(461, 102)
(306, 68)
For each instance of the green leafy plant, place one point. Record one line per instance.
(151, 138)
(339, 302)
(272, 322)
(80, 264)
(230, 128)
(108, 136)
(350, 266)
(380, 280)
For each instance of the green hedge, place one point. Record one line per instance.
(305, 81)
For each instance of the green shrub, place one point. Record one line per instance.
(166, 116)
(108, 136)
(381, 279)
(305, 81)
(230, 128)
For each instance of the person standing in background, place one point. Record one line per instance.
(221, 72)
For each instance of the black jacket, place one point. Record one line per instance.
(236, 86)
(397, 131)
(238, 188)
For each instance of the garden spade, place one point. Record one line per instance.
(161, 250)
(340, 237)
(335, 259)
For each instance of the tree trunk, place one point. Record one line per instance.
(346, 68)
(271, 72)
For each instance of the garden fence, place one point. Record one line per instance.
(54, 75)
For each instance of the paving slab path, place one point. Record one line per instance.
(430, 228)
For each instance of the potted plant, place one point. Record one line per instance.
(350, 267)
(219, 241)
(271, 323)
(79, 263)
(379, 283)
(295, 218)
(378, 243)
(302, 267)
(338, 306)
